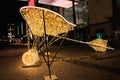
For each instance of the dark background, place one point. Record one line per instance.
(9, 14)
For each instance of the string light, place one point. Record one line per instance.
(55, 24)
(100, 42)
(30, 57)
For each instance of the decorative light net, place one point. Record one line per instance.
(30, 57)
(102, 44)
(54, 22)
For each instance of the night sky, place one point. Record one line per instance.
(9, 10)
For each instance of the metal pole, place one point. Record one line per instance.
(74, 19)
(74, 14)
(45, 36)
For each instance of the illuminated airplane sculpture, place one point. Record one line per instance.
(43, 23)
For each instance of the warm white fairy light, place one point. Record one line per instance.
(30, 57)
(101, 42)
(55, 24)
(47, 53)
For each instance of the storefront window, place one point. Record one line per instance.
(81, 13)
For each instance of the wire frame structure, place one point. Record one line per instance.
(99, 41)
(43, 23)
(55, 24)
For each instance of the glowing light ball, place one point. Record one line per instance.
(30, 57)
(48, 53)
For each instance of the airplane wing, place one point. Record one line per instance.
(55, 23)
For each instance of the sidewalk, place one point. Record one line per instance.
(72, 67)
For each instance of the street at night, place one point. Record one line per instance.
(60, 40)
(71, 63)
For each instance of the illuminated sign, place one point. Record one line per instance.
(58, 3)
